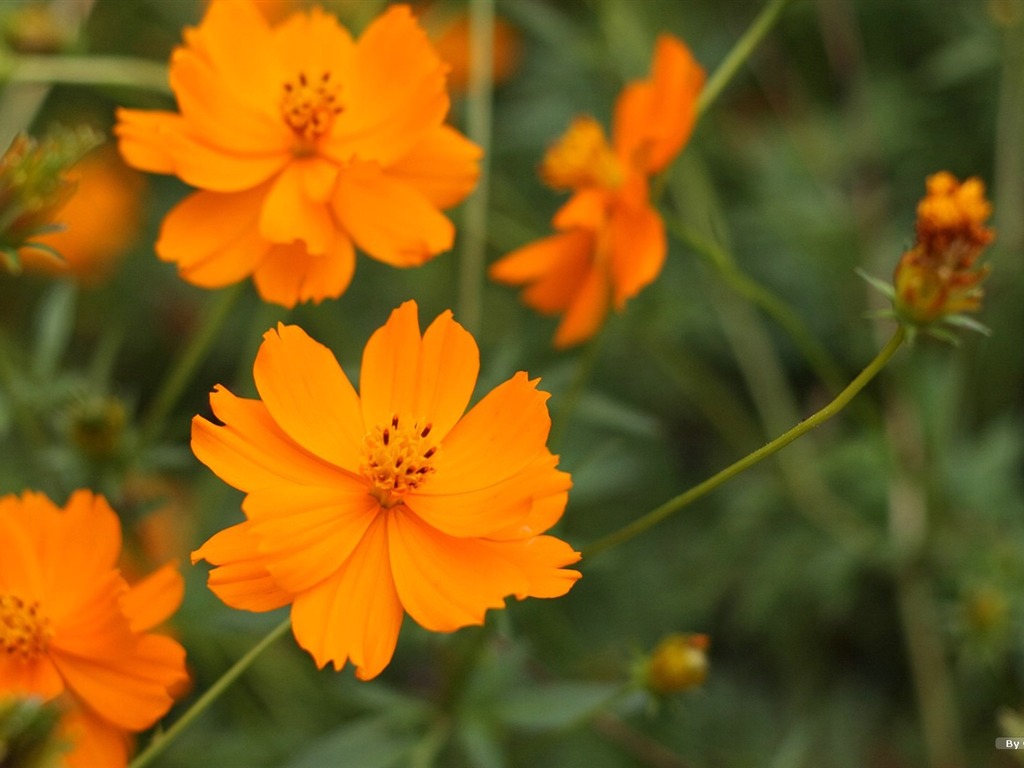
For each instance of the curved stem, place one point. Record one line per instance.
(478, 129)
(161, 741)
(119, 71)
(672, 506)
(188, 361)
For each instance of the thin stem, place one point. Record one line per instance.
(161, 741)
(739, 54)
(117, 71)
(478, 128)
(672, 506)
(188, 361)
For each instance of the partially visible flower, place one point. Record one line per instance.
(940, 276)
(100, 220)
(34, 185)
(72, 630)
(304, 143)
(450, 33)
(361, 508)
(611, 240)
(678, 663)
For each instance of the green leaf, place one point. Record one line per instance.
(555, 706)
(54, 326)
(366, 743)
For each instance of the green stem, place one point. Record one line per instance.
(739, 54)
(161, 741)
(188, 361)
(478, 129)
(672, 506)
(115, 71)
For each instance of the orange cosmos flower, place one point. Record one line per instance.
(71, 628)
(611, 240)
(303, 143)
(363, 507)
(99, 221)
(940, 275)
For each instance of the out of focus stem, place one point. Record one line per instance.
(670, 507)
(161, 741)
(109, 71)
(478, 128)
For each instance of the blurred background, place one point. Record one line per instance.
(861, 590)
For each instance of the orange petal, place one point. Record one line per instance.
(395, 94)
(22, 529)
(306, 534)
(312, 43)
(288, 274)
(389, 219)
(240, 580)
(446, 583)
(129, 688)
(587, 209)
(36, 678)
(443, 166)
(289, 215)
(154, 599)
(251, 451)
(213, 237)
(508, 508)
(385, 386)
(554, 266)
(637, 251)
(587, 310)
(355, 614)
(654, 118)
(499, 437)
(541, 560)
(164, 142)
(309, 397)
(93, 741)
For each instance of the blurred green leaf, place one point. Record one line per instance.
(55, 325)
(366, 743)
(555, 706)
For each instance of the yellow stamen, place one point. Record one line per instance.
(398, 459)
(24, 631)
(309, 106)
(582, 158)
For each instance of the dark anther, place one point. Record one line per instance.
(426, 430)
(386, 435)
(430, 452)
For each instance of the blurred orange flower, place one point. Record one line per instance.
(940, 275)
(363, 507)
(100, 220)
(71, 627)
(304, 143)
(450, 33)
(611, 240)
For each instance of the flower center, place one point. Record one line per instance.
(24, 632)
(582, 158)
(309, 106)
(398, 459)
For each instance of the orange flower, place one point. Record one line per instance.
(361, 508)
(100, 220)
(303, 143)
(71, 627)
(940, 276)
(611, 240)
(450, 33)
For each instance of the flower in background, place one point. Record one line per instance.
(72, 631)
(450, 33)
(34, 185)
(100, 220)
(678, 663)
(611, 240)
(363, 507)
(940, 278)
(304, 144)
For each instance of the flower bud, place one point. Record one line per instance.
(678, 663)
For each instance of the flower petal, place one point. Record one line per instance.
(313, 43)
(443, 166)
(542, 560)
(213, 237)
(554, 268)
(308, 395)
(444, 582)
(388, 218)
(395, 94)
(152, 601)
(587, 310)
(93, 741)
(355, 614)
(306, 534)
(240, 579)
(288, 215)
(251, 451)
(637, 250)
(289, 274)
